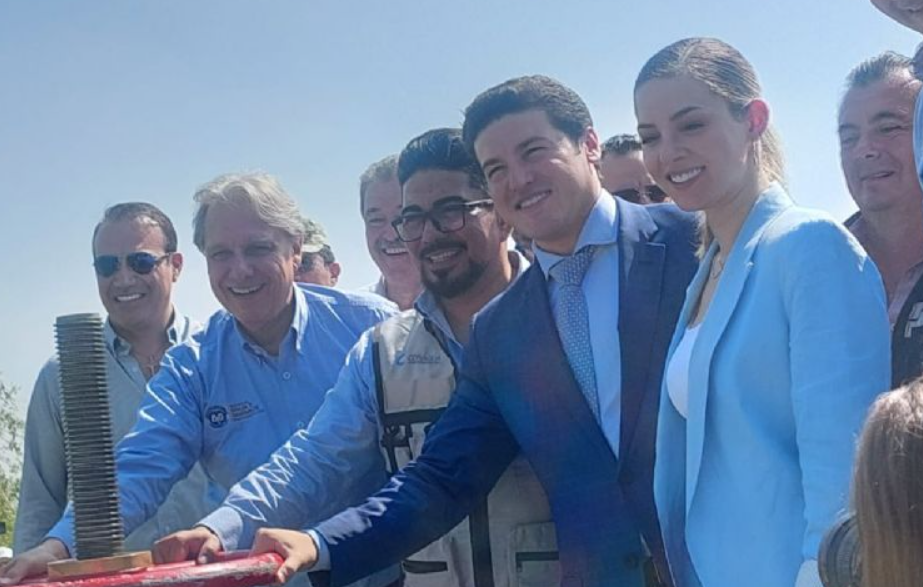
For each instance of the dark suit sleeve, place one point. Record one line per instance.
(463, 457)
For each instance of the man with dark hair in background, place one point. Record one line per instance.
(876, 153)
(380, 204)
(137, 264)
(623, 173)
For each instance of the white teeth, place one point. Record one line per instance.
(394, 250)
(442, 256)
(244, 291)
(128, 298)
(532, 200)
(686, 175)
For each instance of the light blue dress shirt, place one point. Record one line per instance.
(335, 463)
(601, 288)
(223, 401)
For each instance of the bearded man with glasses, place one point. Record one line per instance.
(137, 264)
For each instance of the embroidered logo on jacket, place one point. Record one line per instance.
(218, 416)
(402, 358)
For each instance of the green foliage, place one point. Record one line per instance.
(11, 429)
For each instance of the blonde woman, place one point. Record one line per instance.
(888, 490)
(781, 347)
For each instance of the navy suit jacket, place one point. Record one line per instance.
(516, 391)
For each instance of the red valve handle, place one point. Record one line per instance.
(230, 569)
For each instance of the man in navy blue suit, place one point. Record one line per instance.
(572, 382)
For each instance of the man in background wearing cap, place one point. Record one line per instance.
(318, 264)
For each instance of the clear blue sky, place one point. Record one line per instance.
(108, 101)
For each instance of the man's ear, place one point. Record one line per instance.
(590, 141)
(296, 252)
(334, 269)
(757, 116)
(176, 263)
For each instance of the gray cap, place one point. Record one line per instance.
(315, 237)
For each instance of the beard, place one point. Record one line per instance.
(444, 285)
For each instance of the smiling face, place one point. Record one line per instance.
(251, 268)
(541, 182)
(451, 263)
(695, 149)
(907, 12)
(876, 143)
(382, 204)
(136, 301)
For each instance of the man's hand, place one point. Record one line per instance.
(297, 548)
(199, 543)
(33, 562)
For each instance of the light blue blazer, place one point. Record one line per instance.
(793, 350)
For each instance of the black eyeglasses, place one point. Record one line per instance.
(445, 218)
(141, 263)
(650, 194)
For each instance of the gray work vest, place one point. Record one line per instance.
(508, 541)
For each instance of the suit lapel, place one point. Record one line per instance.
(737, 269)
(556, 386)
(640, 276)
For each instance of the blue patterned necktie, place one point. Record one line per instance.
(573, 321)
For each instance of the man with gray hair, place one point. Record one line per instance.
(876, 153)
(255, 375)
(380, 205)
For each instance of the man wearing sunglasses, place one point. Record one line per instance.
(623, 173)
(257, 372)
(396, 383)
(137, 264)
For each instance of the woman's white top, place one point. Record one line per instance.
(678, 371)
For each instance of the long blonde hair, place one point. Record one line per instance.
(888, 490)
(728, 75)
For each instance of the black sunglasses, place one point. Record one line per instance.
(650, 194)
(141, 263)
(446, 218)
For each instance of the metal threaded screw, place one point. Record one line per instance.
(88, 442)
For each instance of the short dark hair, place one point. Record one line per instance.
(878, 68)
(383, 170)
(139, 210)
(566, 111)
(441, 149)
(621, 145)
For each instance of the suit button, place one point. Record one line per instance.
(632, 561)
